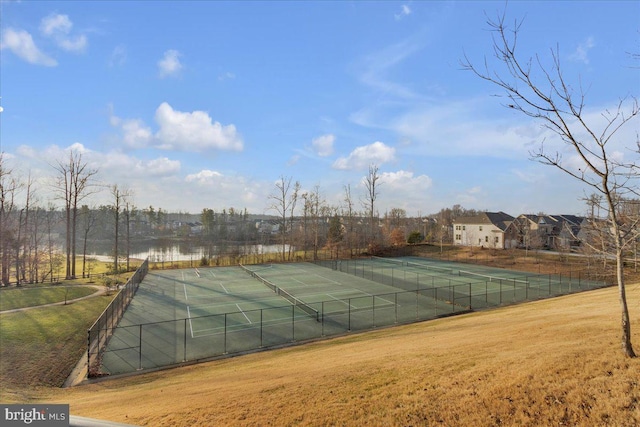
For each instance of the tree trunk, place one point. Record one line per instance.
(626, 322)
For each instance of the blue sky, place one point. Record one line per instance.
(207, 104)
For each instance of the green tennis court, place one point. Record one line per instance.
(187, 315)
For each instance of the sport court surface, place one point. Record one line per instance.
(192, 314)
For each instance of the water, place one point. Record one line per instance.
(158, 251)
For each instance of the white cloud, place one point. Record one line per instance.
(193, 131)
(375, 68)
(204, 177)
(182, 131)
(581, 53)
(55, 24)
(473, 196)
(360, 158)
(169, 65)
(161, 166)
(226, 76)
(323, 145)
(22, 45)
(404, 180)
(235, 191)
(118, 56)
(58, 27)
(405, 10)
(136, 134)
(402, 189)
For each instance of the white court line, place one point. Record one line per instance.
(339, 300)
(225, 289)
(243, 313)
(190, 324)
(184, 285)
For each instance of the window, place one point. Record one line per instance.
(480, 228)
(463, 227)
(458, 237)
(486, 239)
(497, 239)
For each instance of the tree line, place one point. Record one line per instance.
(45, 239)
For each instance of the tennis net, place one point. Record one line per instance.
(388, 260)
(442, 270)
(488, 278)
(300, 304)
(255, 275)
(286, 295)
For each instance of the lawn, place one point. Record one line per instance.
(32, 296)
(550, 362)
(40, 347)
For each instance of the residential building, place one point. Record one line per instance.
(486, 230)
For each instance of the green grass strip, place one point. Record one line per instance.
(29, 297)
(41, 346)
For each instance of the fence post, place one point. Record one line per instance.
(322, 318)
(396, 307)
(373, 315)
(140, 349)
(225, 333)
(184, 358)
(453, 297)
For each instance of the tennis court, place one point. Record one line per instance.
(180, 316)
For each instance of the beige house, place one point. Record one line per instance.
(486, 230)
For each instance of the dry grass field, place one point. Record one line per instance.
(550, 362)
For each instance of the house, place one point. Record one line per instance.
(547, 231)
(486, 230)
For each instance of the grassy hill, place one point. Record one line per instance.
(551, 362)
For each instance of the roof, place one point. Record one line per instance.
(499, 219)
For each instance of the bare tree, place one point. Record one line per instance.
(120, 199)
(281, 201)
(9, 186)
(72, 185)
(88, 218)
(129, 212)
(293, 200)
(349, 212)
(542, 92)
(372, 192)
